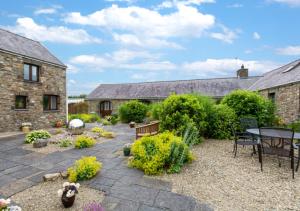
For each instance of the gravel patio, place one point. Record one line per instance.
(228, 183)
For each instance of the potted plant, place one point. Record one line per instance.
(68, 193)
(126, 149)
(4, 206)
(132, 124)
(26, 127)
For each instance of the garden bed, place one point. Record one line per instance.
(228, 183)
(43, 197)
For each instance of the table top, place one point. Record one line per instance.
(255, 131)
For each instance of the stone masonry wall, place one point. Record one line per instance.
(52, 81)
(287, 101)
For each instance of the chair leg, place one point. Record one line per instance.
(298, 160)
(260, 156)
(254, 150)
(235, 150)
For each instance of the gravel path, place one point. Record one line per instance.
(228, 183)
(43, 197)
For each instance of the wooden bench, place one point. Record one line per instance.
(147, 130)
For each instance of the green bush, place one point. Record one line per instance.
(114, 119)
(154, 154)
(86, 118)
(84, 142)
(221, 122)
(36, 134)
(251, 104)
(84, 169)
(65, 143)
(105, 122)
(295, 126)
(133, 111)
(178, 111)
(155, 110)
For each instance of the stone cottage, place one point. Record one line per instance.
(106, 98)
(282, 85)
(32, 84)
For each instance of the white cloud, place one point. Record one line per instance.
(29, 28)
(145, 42)
(72, 69)
(292, 3)
(71, 81)
(227, 35)
(289, 50)
(175, 3)
(225, 67)
(186, 21)
(256, 36)
(236, 5)
(46, 11)
(122, 59)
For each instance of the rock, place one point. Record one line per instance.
(51, 177)
(40, 143)
(64, 174)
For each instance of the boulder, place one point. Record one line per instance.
(40, 143)
(51, 177)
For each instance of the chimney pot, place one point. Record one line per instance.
(242, 73)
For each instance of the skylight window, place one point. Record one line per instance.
(290, 68)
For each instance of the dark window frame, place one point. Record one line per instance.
(272, 96)
(49, 106)
(30, 72)
(106, 104)
(24, 98)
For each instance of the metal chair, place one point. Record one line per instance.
(244, 138)
(279, 142)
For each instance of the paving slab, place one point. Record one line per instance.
(16, 187)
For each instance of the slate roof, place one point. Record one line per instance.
(287, 74)
(217, 87)
(17, 44)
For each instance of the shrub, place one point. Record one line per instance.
(132, 111)
(251, 104)
(84, 142)
(106, 122)
(295, 126)
(106, 134)
(97, 130)
(191, 135)
(65, 143)
(83, 169)
(155, 110)
(37, 134)
(154, 154)
(221, 122)
(178, 111)
(86, 118)
(114, 119)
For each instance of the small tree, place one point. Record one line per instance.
(133, 111)
(251, 104)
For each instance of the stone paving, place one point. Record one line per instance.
(125, 188)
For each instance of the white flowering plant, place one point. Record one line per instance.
(69, 189)
(4, 206)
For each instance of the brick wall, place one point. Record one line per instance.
(286, 100)
(52, 81)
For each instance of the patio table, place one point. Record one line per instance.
(272, 134)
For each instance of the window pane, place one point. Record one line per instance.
(53, 103)
(26, 72)
(34, 73)
(21, 102)
(46, 102)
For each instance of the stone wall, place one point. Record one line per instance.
(287, 101)
(52, 81)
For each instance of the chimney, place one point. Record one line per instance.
(242, 73)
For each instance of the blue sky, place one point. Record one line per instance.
(115, 41)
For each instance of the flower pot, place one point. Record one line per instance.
(67, 201)
(25, 129)
(126, 151)
(132, 124)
